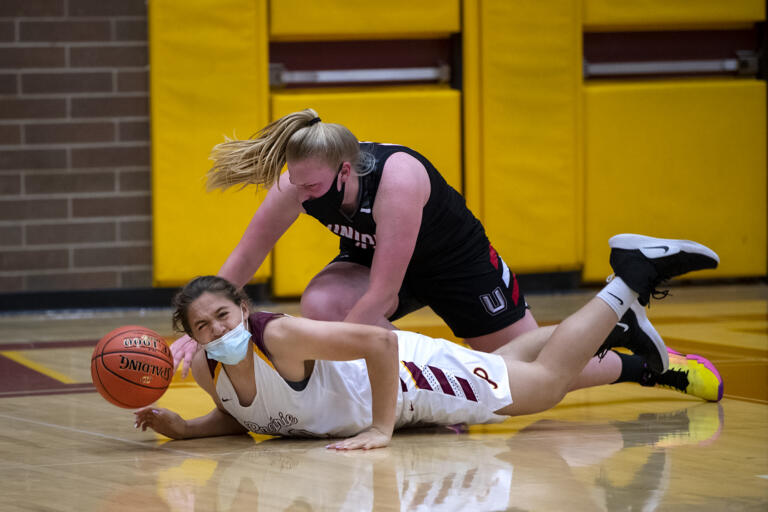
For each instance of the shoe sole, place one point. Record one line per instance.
(704, 361)
(653, 248)
(647, 327)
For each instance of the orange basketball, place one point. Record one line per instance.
(132, 366)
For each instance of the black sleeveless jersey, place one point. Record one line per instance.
(449, 234)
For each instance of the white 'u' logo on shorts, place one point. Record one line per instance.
(495, 302)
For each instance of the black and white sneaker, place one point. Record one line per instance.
(636, 333)
(644, 262)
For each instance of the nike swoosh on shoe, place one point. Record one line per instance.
(655, 251)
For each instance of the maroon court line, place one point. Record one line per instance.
(77, 388)
(34, 345)
(18, 380)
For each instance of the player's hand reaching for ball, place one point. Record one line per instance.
(161, 421)
(182, 350)
(365, 440)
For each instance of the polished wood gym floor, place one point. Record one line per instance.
(622, 447)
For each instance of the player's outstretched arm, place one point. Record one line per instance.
(292, 341)
(218, 422)
(161, 421)
(170, 424)
(280, 208)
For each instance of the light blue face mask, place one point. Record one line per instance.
(232, 347)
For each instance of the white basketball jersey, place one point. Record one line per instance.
(440, 383)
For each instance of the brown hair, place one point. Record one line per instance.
(194, 289)
(259, 159)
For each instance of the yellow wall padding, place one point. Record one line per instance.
(644, 13)
(530, 65)
(343, 19)
(208, 79)
(471, 92)
(427, 119)
(678, 159)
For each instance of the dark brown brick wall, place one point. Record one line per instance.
(135, 230)
(75, 201)
(16, 109)
(130, 81)
(82, 132)
(134, 130)
(10, 235)
(8, 84)
(42, 83)
(10, 184)
(33, 57)
(110, 207)
(7, 31)
(74, 281)
(134, 180)
(10, 134)
(71, 233)
(18, 8)
(51, 31)
(19, 159)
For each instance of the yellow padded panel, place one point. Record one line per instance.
(427, 119)
(625, 13)
(472, 98)
(530, 108)
(208, 80)
(345, 19)
(678, 159)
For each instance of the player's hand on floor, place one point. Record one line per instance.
(183, 349)
(161, 421)
(365, 440)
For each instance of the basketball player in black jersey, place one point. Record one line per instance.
(444, 260)
(407, 241)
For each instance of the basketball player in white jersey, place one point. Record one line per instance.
(299, 377)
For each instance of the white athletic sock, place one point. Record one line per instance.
(618, 295)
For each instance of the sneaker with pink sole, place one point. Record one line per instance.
(690, 374)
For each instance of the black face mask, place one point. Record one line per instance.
(328, 202)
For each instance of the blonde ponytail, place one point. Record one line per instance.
(258, 160)
(296, 136)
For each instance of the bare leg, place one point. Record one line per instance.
(541, 384)
(494, 340)
(334, 290)
(598, 372)
(526, 348)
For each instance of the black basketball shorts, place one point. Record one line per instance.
(475, 298)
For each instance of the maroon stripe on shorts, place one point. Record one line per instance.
(467, 389)
(403, 386)
(421, 382)
(443, 380)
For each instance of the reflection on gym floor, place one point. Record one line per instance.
(547, 465)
